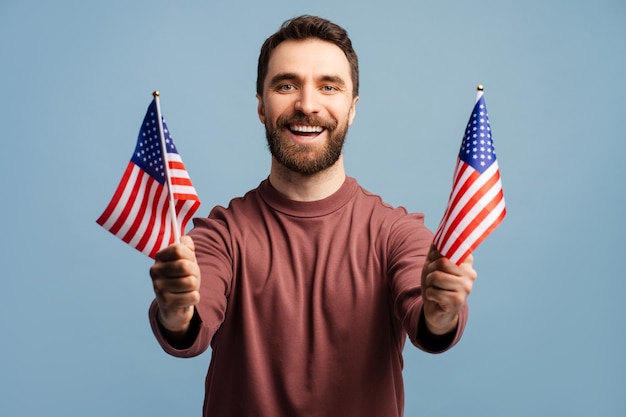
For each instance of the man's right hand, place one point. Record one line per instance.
(176, 281)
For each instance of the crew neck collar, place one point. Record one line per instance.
(322, 207)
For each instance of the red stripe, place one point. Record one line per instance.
(181, 181)
(486, 233)
(162, 226)
(189, 215)
(190, 206)
(462, 190)
(458, 170)
(185, 197)
(473, 200)
(476, 220)
(133, 195)
(147, 231)
(139, 215)
(176, 165)
(117, 195)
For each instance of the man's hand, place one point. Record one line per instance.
(445, 288)
(176, 281)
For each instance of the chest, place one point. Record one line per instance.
(322, 269)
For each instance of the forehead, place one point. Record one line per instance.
(309, 57)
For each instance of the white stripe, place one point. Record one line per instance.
(159, 224)
(132, 214)
(457, 170)
(179, 173)
(445, 223)
(453, 212)
(143, 226)
(478, 183)
(174, 157)
(453, 209)
(473, 212)
(478, 232)
(186, 190)
(183, 213)
(123, 200)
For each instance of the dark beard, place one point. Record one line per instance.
(306, 159)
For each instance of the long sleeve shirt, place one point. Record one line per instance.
(307, 305)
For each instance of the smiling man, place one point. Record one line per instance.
(307, 287)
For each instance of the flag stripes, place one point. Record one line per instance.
(476, 208)
(476, 204)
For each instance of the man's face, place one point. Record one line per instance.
(307, 104)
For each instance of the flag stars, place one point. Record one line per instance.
(477, 147)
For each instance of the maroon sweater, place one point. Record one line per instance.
(307, 305)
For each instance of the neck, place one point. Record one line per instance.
(299, 187)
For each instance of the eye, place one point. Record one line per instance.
(286, 87)
(329, 89)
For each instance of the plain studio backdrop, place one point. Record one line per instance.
(546, 335)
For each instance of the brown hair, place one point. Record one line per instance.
(306, 27)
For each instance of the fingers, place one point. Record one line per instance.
(176, 282)
(436, 262)
(445, 288)
(184, 250)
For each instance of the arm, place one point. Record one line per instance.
(429, 292)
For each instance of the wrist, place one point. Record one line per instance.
(180, 335)
(175, 321)
(431, 339)
(442, 325)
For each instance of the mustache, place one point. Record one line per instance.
(303, 119)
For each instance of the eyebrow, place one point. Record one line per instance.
(282, 76)
(289, 76)
(335, 79)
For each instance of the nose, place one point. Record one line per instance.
(308, 101)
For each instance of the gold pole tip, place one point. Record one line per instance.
(480, 87)
(156, 93)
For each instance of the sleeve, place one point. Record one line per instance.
(408, 245)
(213, 252)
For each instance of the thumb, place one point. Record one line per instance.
(188, 241)
(433, 253)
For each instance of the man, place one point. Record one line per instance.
(307, 287)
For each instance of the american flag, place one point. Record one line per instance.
(139, 212)
(476, 204)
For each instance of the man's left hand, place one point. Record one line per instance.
(445, 288)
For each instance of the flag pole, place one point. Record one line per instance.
(479, 91)
(166, 169)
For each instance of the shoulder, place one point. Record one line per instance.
(392, 213)
(226, 220)
(397, 223)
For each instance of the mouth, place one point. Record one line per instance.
(305, 130)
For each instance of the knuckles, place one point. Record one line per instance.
(174, 269)
(176, 277)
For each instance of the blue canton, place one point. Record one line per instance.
(477, 147)
(147, 155)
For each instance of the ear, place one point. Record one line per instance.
(352, 112)
(260, 109)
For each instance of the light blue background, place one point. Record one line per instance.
(546, 335)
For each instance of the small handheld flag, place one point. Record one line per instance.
(155, 198)
(476, 204)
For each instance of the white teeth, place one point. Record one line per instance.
(306, 129)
